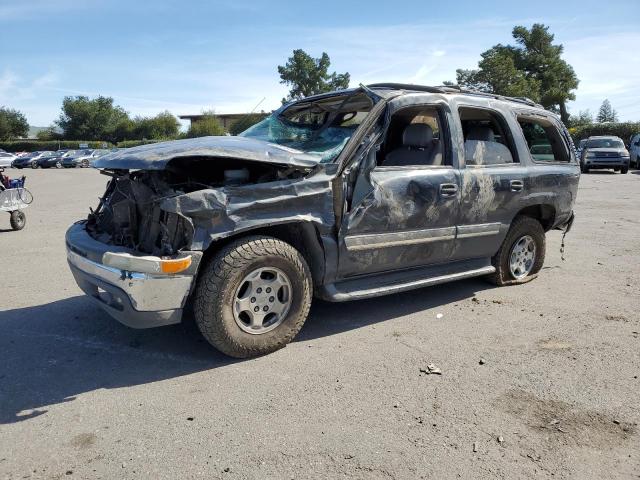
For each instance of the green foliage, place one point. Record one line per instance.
(584, 117)
(245, 122)
(206, 125)
(164, 125)
(309, 76)
(135, 143)
(13, 124)
(606, 113)
(93, 119)
(623, 130)
(532, 68)
(35, 145)
(99, 118)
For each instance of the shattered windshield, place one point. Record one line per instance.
(320, 128)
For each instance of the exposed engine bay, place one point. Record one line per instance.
(130, 213)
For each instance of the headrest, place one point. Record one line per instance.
(417, 135)
(480, 132)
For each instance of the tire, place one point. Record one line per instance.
(18, 220)
(58, 165)
(584, 169)
(624, 170)
(221, 281)
(521, 228)
(34, 165)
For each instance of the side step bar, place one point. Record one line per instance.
(385, 284)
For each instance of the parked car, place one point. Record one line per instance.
(31, 159)
(634, 151)
(580, 148)
(81, 158)
(345, 195)
(604, 152)
(6, 158)
(56, 159)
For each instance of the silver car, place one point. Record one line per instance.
(604, 152)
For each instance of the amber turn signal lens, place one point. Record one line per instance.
(176, 265)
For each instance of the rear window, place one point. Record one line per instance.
(544, 140)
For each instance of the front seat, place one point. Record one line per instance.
(417, 147)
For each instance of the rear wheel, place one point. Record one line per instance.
(18, 220)
(522, 253)
(58, 165)
(253, 297)
(34, 164)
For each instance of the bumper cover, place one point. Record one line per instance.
(138, 300)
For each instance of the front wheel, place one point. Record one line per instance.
(58, 164)
(624, 170)
(18, 220)
(253, 297)
(522, 253)
(34, 164)
(584, 169)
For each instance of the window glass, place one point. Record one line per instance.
(487, 140)
(414, 138)
(605, 143)
(544, 141)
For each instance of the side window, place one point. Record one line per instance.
(415, 137)
(544, 141)
(487, 138)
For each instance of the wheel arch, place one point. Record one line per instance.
(303, 236)
(543, 212)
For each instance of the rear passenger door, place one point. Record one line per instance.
(403, 209)
(493, 181)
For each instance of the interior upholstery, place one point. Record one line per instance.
(418, 148)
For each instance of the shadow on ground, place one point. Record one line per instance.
(51, 353)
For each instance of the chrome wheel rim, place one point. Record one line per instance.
(262, 300)
(522, 257)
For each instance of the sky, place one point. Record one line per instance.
(189, 56)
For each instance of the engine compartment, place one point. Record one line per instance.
(130, 215)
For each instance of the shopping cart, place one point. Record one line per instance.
(13, 198)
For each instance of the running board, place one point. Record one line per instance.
(395, 282)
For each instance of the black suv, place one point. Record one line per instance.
(345, 195)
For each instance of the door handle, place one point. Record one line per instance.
(516, 185)
(448, 189)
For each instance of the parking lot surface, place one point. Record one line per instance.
(538, 380)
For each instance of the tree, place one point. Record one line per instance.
(532, 68)
(207, 124)
(13, 124)
(309, 76)
(245, 122)
(162, 126)
(541, 60)
(96, 119)
(606, 113)
(584, 117)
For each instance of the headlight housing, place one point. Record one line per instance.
(590, 155)
(624, 154)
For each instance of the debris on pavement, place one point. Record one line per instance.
(482, 361)
(431, 370)
(475, 447)
(439, 316)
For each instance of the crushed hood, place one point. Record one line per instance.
(156, 156)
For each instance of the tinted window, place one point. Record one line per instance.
(544, 141)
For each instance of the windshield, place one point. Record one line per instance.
(320, 128)
(605, 143)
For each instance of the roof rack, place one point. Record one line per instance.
(453, 89)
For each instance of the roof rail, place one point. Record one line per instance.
(454, 89)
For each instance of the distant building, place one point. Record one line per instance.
(226, 119)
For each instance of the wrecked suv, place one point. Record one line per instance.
(345, 195)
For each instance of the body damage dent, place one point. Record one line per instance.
(217, 213)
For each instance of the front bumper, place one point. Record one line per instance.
(606, 162)
(138, 300)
